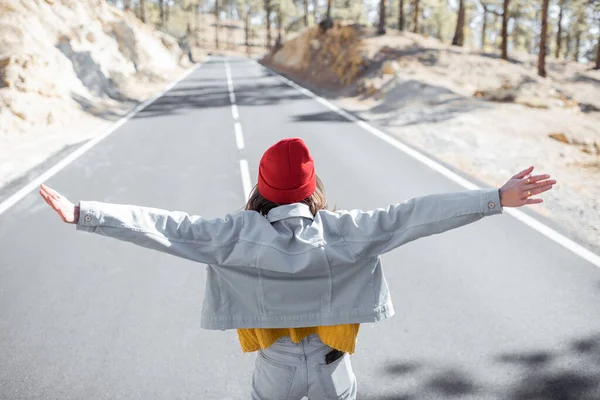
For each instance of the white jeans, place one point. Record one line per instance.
(290, 371)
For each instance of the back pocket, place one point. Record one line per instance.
(336, 378)
(271, 380)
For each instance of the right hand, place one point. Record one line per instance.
(518, 190)
(68, 211)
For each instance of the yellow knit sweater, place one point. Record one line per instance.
(340, 337)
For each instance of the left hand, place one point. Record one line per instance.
(518, 190)
(67, 211)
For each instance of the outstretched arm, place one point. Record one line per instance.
(371, 233)
(173, 232)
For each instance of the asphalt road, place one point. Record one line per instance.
(493, 310)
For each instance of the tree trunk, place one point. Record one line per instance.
(459, 35)
(247, 29)
(381, 27)
(416, 16)
(305, 12)
(577, 46)
(543, 38)
(401, 15)
(280, 23)
(328, 15)
(504, 45)
(161, 6)
(195, 15)
(598, 53)
(143, 10)
(217, 12)
(559, 31)
(484, 28)
(315, 9)
(127, 5)
(268, 22)
(167, 12)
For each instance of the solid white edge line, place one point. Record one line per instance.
(245, 171)
(533, 223)
(239, 136)
(24, 191)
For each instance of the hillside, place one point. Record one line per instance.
(68, 68)
(472, 110)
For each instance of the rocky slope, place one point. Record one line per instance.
(64, 62)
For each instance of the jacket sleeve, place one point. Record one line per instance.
(371, 233)
(209, 241)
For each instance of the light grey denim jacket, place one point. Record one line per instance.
(290, 268)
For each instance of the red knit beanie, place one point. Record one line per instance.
(286, 173)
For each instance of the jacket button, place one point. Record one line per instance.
(491, 205)
(88, 218)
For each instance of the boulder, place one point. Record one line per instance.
(390, 67)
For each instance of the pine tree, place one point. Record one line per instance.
(217, 18)
(459, 34)
(381, 27)
(416, 16)
(401, 15)
(561, 4)
(543, 39)
(143, 10)
(504, 46)
(280, 11)
(161, 6)
(268, 22)
(595, 5)
(305, 3)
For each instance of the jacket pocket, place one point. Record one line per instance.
(272, 380)
(336, 378)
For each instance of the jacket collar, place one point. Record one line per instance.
(289, 211)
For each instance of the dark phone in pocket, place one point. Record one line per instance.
(333, 355)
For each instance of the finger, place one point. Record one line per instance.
(534, 201)
(47, 200)
(535, 178)
(542, 189)
(539, 184)
(52, 202)
(45, 196)
(51, 191)
(538, 190)
(45, 189)
(523, 173)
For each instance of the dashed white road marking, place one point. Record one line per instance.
(234, 111)
(239, 136)
(245, 171)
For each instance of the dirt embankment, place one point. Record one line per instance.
(483, 115)
(68, 68)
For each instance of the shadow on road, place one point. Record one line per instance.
(571, 373)
(180, 100)
(325, 116)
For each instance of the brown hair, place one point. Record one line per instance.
(257, 202)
